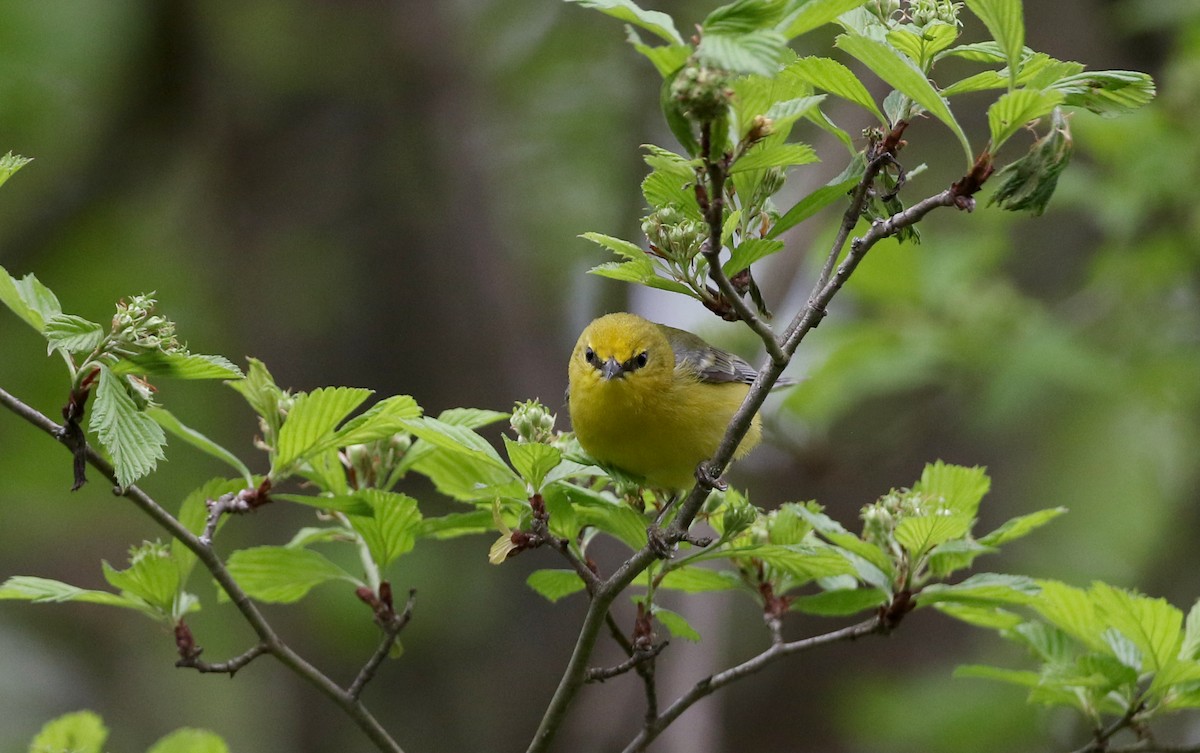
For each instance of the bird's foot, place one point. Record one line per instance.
(709, 480)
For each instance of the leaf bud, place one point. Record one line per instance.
(703, 93)
(533, 422)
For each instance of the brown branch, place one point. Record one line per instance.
(600, 674)
(392, 625)
(216, 567)
(710, 684)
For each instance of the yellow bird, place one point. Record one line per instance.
(654, 401)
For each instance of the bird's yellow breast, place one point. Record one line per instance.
(657, 422)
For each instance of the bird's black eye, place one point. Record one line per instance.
(590, 356)
(642, 359)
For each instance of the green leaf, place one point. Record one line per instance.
(152, 576)
(178, 366)
(555, 584)
(1072, 610)
(617, 520)
(840, 602)
(1153, 625)
(1107, 93)
(742, 16)
(809, 14)
(28, 299)
(193, 515)
(748, 252)
(455, 524)
(831, 76)
(835, 190)
(73, 334)
(311, 420)
(45, 590)
(676, 624)
(261, 392)
(954, 555)
(918, 535)
(277, 575)
(839, 536)
(77, 732)
(392, 528)
(383, 419)
(662, 189)
(655, 22)
(174, 426)
(982, 589)
(900, 73)
(666, 58)
(188, 740)
(532, 460)
(1020, 526)
(923, 48)
(351, 504)
(10, 164)
(978, 52)
(631, 271)
(989, 617)
(1024, 678)
(1005, 21)
(456, 438)
(956, 488)
(774, 155)
(132, 439)
(692, 580)
(757, 52)
(804, 563)
(1190, 648)
(469, 477)
(1014, 109)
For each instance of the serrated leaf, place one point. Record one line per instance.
(1153, 625)
(187, 740)
(1020, 526)
(45, 590)
(774, 155)
(262, 394)
(10, 163)
(617, 520)
(662, 189)
(278, 575)
(533, 460)
(977, 52)
(383, 419)
(901, 74)
(923, 48)
(132, 439)
(982, 589)
(831, 76)
(954, 555)
(1107, 93)
(655, 22)
(391, 530)
(748, 252)
(742, 16)
(1024, 678)
(835, 190)
(620, 247)
(676, 624)
(804, 563)
(178, 366)
(814, 13)
(630, 271)
(29, 299)
(469, 477)
(455, 524)
(1005, 21)
(174, 426)
(989, 617)
(77, 732)
(691, 579)
(152, 576)
(756, 52)
(840, 602)
(785, 112)
(555, 584)
(1190, 648)
(839, 536)
(666, 58)
(351, 504)
(1014, 109)
(73, 334)
(1073, 611)
(956, 488)
(312, 418)
(918, 535)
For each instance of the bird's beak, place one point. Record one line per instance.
(611, 369)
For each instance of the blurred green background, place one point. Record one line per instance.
(388, 195)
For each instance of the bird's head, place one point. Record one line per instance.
(621, 347)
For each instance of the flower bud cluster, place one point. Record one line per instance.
(533, 422)
(673, 236)
(924, 12)
(884, 9)
(703, 93)
(881, 517)
(137, 329)
(370, 464)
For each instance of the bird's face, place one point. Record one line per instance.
(621, 348)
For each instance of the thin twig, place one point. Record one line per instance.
(714, 682)
(266, 634)
(229, 667)
(391, 632)
(600, 674)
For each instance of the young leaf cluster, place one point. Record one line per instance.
(84, 732)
